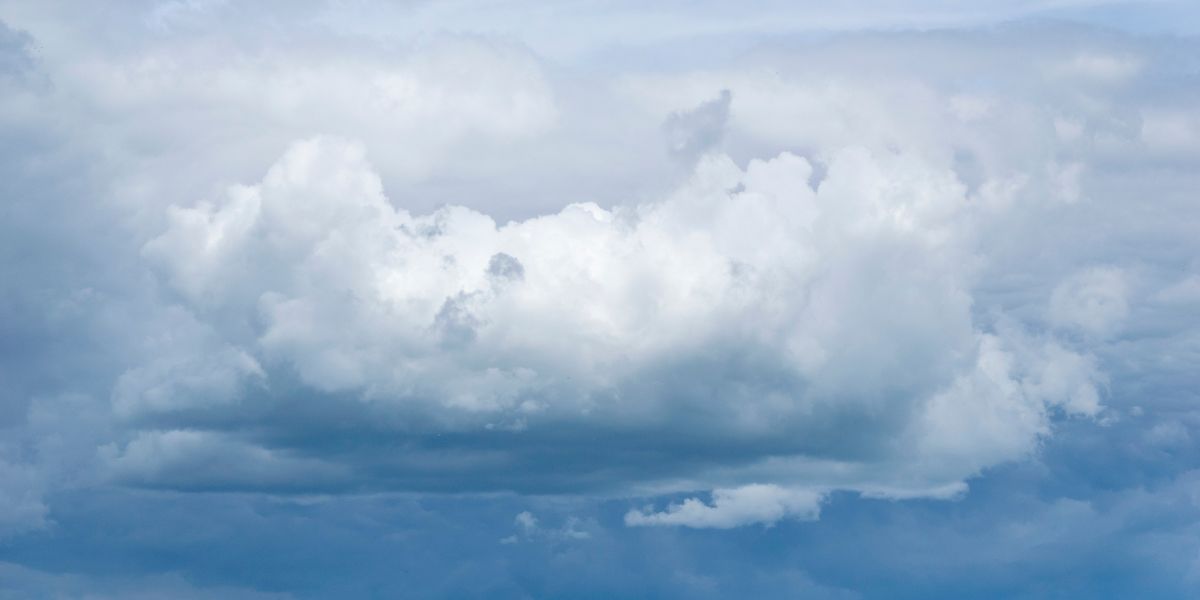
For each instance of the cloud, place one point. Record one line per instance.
(845, 273)
(765, 504)
(615, 321)
(528, 529)
(1093, 301)
(998, 411)
(190, 370)
(23, 582)
(21, 504)
(16, 59)
(1184, 291)
(198, 460)
(814, 305)
(693, 132)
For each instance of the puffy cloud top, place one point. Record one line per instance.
(747, 329)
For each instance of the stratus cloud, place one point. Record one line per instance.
(747, 309)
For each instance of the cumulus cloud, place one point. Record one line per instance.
(529, 529)
(765, 504)
(999, 409)
(746, 305)
(189, 370)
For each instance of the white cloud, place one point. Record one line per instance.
(858, 291)
(998, 411)
(746, 505)
(528, 529)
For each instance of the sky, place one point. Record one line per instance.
(490, 299)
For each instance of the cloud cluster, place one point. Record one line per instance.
(747, 310)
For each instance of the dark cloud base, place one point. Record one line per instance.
(1020, 533)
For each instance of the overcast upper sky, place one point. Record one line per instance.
(484, 299)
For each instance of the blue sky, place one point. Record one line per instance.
(335, 299)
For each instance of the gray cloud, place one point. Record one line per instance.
(693, 132)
